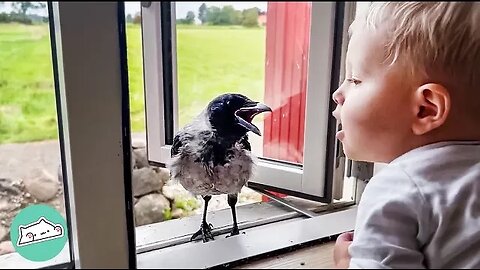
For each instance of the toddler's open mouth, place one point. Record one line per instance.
(340, 133)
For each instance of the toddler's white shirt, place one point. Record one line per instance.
(422, 211)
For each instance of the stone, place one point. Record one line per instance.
(11, 198)
(58, 203)
(138, 143)
(151, 209)
(6, 248)
(5, 205)
(145, 181)
(3, 233)
(9, 187)
(140, 158)
(6, 218)
(42, 185)
(173, 190)
(164, 174)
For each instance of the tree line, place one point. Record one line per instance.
(20, 12)
(227, 15)
(212, 15)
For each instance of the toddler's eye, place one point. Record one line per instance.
(354, 81)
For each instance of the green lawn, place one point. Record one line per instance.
(211, 60)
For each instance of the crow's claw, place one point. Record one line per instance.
(234, 231)
(206, 232)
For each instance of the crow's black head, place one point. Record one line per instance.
(232, 114)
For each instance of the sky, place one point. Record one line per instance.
(181, 7)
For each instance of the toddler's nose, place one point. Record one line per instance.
(338, 97)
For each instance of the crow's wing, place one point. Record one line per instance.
(192, 136)
(177, 143)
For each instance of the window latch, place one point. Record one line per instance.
(360, 170)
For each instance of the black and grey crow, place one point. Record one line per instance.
(212, 154)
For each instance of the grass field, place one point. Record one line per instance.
(211, 60)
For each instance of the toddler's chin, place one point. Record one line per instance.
(354, 154)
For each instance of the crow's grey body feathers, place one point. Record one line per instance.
(207, 165)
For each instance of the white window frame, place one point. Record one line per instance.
(313, 179)
(90, 70)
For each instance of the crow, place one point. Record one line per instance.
(212, 154)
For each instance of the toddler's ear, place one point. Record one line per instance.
(432, 105)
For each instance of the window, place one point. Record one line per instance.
(255, 70)
(253, 62)
(290, 60)
(30, 149)
(120, 97)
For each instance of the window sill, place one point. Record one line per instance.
(16, 261)
(178, 231)
(252, 242)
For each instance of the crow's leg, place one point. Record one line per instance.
(232, 201)
(205, 228)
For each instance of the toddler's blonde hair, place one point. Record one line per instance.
(435, 41)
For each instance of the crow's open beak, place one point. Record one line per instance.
(246, 114)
